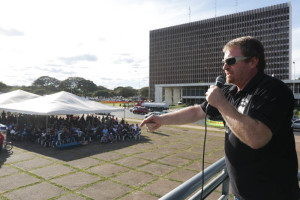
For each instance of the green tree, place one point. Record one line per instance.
(86, 87)
(125, 91)
(144, 92)
(50, 84)
(3, 87)
(102, 93)
(40, 91)
(78, 85)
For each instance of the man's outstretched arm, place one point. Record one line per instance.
(183, 116)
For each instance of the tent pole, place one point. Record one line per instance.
(46, 122)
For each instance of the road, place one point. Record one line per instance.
(131, 115)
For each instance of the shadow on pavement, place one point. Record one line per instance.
(4, 155)
(78, 152)
(158, 133)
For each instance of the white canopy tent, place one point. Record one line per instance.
(61, 103)
(16, 96)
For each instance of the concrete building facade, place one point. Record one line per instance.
(185, 59)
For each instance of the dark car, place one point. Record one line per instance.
(133, 108)
(140, 110)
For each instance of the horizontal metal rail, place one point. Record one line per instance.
(193, 184)
(211, 186)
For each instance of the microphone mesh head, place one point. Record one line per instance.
(220, 81)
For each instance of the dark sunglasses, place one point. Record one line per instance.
(233, 60)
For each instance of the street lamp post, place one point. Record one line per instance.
(294, 78)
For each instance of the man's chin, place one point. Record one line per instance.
(228, 79)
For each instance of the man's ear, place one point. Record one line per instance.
(254, 61)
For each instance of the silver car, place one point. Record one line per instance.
(296, 124)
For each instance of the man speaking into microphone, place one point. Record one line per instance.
(259, 143)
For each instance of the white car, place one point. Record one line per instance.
(296, 124)
(155, 113)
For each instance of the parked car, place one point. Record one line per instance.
(133, 108)
(140, 110)
(155, 113)
(295, 117)
(296, 124)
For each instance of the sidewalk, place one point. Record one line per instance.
(127, 170)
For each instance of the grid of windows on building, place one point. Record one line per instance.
(192, 52)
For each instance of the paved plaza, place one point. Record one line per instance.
(127, 170)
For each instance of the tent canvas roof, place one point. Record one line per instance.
(16, 96)
(61, 103)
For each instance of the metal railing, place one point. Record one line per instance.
(217, 172)
(193, 184)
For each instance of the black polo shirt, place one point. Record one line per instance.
(271, 171)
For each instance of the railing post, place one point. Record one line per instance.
(194, 183)
(225, 187)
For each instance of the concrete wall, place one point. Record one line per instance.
(168, 95)
(176, 95)
(158, 94)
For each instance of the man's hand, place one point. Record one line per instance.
(152, 123)
(215, 96)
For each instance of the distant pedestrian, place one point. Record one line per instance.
(1, 141)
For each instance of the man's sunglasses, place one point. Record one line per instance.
(233, 60)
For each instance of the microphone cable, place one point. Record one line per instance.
(220, 80)
(203, 152)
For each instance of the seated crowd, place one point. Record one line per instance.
(56, 130)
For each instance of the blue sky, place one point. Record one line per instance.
(105, 41)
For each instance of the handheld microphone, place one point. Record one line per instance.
(220, 81)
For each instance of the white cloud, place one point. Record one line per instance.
(106, 42)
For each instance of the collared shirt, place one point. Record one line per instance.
(271, 171)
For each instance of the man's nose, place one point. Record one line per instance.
(225, 66)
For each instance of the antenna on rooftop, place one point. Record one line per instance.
(236, 5)
(215, 8)
(189, 13)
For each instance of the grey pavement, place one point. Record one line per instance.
(126, 170)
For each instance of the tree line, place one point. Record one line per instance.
(76, 85)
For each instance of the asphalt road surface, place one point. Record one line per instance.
(131, 115)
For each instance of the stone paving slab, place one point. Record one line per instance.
(182, 174)
(145, 169)
(19, 157)
(150, 155)
(174, 160)
(71, 197)
(108, 156)
(108, 170)
(162, 186)
(105, 190)
(134, 178)
(157, 169)
(139, 196)
(36, 192)
(6, 170)
(15, 181)
(131, 162)
(52, 171)
(189, 155)
(83, 162)
(33, 163)
(76, 180)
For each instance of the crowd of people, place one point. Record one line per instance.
(52, 131)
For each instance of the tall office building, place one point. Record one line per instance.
(185, 59)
